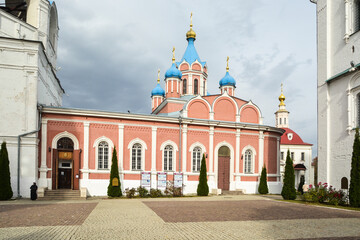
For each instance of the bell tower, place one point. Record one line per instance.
(282, 115)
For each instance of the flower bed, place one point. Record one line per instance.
(322, 193)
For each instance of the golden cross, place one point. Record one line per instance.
(173, 51)
(191, 20)
(158, 80)
(227, 64)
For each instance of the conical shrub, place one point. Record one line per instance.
(263, 187)
(288, 191)
(113, 190)
(203, 188)
(5, 184)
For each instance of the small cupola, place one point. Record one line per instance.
(173, 71)
(227, 83)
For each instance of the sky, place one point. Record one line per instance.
(109, 52)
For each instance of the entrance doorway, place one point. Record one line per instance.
(63, 163)
(224, 168)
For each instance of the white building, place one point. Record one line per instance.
(300, 151)
(28, 52)
(338, 36)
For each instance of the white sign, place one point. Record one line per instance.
(178, 180)
(161, 180)
(145, 179)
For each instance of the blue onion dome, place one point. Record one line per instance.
(173, 71)
(227, 80)
(158, 91)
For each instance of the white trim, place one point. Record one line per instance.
(226, 95)
(217, 147)
(250, 103)
(249, 147)
(65, 134)
(175, 149)
(143, 148)
(96, 146)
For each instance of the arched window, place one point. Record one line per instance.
(103, 155)
(184, 86)
(168, 158)
(204, 94)
(344, 183)
(196, 154)
(65, 143)
(136, 157)
(248, 161)
(196, 87)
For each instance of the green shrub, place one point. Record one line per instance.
(203, 188)
(130, 193)
(321, 193)
(288, 191)
(171, 190)
(114, 191)
(354, 190)
(154, 193)
(263, 187)
(143, 192)
(5, 184)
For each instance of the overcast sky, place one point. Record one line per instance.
(109, 52)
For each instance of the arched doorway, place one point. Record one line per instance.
(224, 168)
(64, 163)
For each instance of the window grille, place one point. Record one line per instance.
(103, 155)
(248, 161)
(196, 159)
(168, 158)
(136, 157)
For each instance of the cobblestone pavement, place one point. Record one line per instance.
(136, 219)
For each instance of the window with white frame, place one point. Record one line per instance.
(168, 158)
(356, 16)
(292, 156)
(103, 155)
(248, 161)
(282, 156)
(136, 152)
(302, 156)
(184, 86)
(196, 157)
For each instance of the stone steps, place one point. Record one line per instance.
(61, 194)
(237, 192)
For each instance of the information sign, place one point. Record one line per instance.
(161, 183)
(178, 180)
(145, 179)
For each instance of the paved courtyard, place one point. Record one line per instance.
(217, 217)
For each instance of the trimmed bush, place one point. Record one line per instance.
(288, 191)
(171, 190)
(203, 188)
(154, 193)
(263, 187)
(130, 193)
(5, 184)
(354, 191)
(114, 191)
(143, 192)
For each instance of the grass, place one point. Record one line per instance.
(320, 204)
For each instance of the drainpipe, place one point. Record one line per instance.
(180, 144)
(19, 149)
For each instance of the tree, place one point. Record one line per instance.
(354, 191)
(288, 191)
(5, 184)
(114, 188)
(203, 188)
(263, 186)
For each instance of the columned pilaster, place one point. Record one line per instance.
(278, 173)
(211, 154)
(121, 147)
(86, 151)
(261, 150)
(43, 166)
(153, 156)
(184, 149)
(237, 155)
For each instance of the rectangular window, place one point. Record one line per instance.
(280, 121)
(282, 156)
(302, 156)
(356, 18)
(292, 156)
(133, 160)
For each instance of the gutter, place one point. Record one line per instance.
(349, 70)
(19, 150)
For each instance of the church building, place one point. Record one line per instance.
(73, 147)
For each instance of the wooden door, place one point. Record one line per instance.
(223, 173)
(64, 178)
